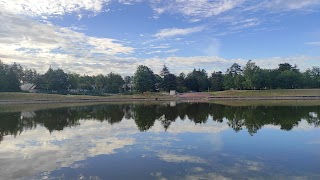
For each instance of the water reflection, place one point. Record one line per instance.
(161, 141)
(251, 118)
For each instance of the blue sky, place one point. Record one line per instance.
(101, 36)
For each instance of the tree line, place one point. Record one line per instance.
(249, 77)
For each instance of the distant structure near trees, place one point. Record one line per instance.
(14, 78)
(29, 87)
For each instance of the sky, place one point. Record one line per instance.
(101, 36)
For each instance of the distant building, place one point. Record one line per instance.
(128, 87)
(173, 92)
(29, 87)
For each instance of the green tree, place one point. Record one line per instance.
(56, 80)
(217, 81)
(18, 71)
(13, 84)
(266, 80)
(288, 77)
(233, 78)
(169, 80)
(228, 81)
(29, 76)
(197, 80)
(285, 67)
(252, 76)
(181, 83)
(9, 78)
(144, 79)
(157, 82)
(165, 71)
(3, 75)
(100, 82)
(235, 69)
(314, 74)
(113, 83)
(87, 82)
(74, 80)
(238, 81)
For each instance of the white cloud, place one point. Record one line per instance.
(195, 8)
(160, 47)
(165, 33)
(52, 7)
(172, 50)
(246, 23)
(78, 28)
(303, 62)
(129, 2)
(29, 34)
(39, 45)
(291, 4)
(160, 51)
(154, 52)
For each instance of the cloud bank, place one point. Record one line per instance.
(49, 8)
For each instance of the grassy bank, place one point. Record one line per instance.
(11, 102)
(267, 93)
(56, 97)
(283, 94)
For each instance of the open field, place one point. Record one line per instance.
(32, 98)
(10, 102)
(267, 93)
(58, 97)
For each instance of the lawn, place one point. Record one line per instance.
(267, 93)
(15, 96)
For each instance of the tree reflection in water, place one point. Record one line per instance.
(252, 118)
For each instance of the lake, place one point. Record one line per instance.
(160, 141)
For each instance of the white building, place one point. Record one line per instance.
(28, 87)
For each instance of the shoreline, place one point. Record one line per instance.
(230, 95)
(156, 99)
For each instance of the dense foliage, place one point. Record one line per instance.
(144, 79)
(250, 77)
(11, 76)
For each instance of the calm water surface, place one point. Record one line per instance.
(161, 141)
